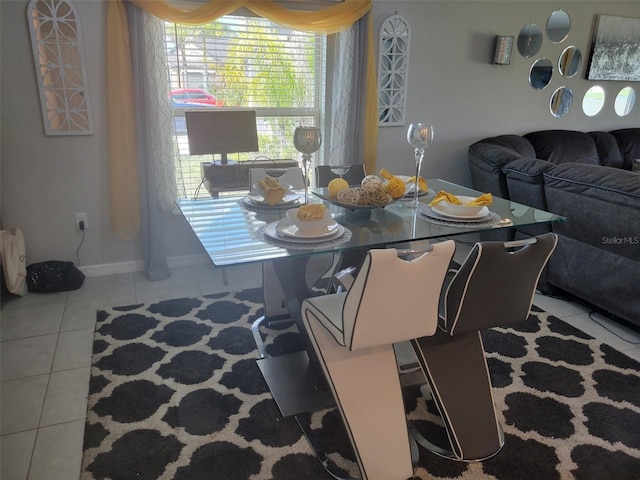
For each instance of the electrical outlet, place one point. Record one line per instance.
(82, 217)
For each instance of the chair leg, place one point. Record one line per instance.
(457, 372)
(367, 390)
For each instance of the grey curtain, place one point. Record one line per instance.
(154, 141)
(348, 96)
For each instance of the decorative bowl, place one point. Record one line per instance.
(309, 227)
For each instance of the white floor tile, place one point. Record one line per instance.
(74, 349)
(78, 317)
(26, 357)
(31, 321)
(557, 306)
(634, 353)
(15, 455)
(21, 404)
(58, 452)
(66, 398)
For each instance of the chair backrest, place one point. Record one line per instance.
(294, 176)
(495, 286)
(353, 175)
(392, 299)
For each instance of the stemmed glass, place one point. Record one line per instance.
(419, 136)
(307, 140)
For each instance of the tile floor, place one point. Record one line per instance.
(45, 357)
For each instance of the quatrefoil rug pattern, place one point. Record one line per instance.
(175, 393)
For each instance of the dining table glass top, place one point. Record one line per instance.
(233, 230)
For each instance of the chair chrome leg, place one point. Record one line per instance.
(448, 454)
(255, 330)
(321, 456)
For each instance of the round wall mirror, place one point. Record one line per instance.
(570, 61)
(561, 101)
(593, 101)
(529, 40)
(558, 26)
(625, 100)
(540, 73)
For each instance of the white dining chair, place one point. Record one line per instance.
(391, 300)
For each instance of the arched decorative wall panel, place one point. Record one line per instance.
(393, 68)
(59, 59)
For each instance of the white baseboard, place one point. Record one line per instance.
(138, 265)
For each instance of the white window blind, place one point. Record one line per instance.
(242, 62)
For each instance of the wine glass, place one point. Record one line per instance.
(307, 140)
(419, 136)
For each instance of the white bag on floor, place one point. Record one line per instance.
(12, 259)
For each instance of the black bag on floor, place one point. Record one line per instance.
(53, 276)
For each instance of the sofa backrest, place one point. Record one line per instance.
(564, 146)
(608, 150)
(629, 144)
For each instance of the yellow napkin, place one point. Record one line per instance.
(422, 183)
(273, 193)
(442, 196)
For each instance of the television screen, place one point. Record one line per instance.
(222, 131)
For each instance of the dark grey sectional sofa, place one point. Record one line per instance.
(587, 178)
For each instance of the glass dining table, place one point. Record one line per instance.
(235, 230)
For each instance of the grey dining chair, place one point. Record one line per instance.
(493, 287)
(391, 300)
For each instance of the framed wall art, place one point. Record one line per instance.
(614, 53)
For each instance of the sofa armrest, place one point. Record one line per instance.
(601, 205)
(526, 182)
(486, 162)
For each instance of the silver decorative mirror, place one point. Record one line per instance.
(593, 101)
(395, 40)
(558, 26)
(541, 73)
(59, 59)
(561, 101)
(625, 100)
(570, 61)
(529, 40)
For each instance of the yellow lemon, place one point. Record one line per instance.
(395, 187)
(337, 185)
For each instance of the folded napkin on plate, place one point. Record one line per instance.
(273, 193)
(422, 183)
(442, 196)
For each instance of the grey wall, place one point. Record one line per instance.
(452, 84)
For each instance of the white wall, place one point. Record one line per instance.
(451, 83)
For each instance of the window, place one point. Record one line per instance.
(240, 62)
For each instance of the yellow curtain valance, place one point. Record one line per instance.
(125, 202)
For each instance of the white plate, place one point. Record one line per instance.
(430, 212)
(293, 231)
(271, 230)
(286, 200)
(484, 211)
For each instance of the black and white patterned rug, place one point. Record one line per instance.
(175, 393)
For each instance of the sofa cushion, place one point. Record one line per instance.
(564, 146)
(608, 150)
(629, 142)
(601, 205)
